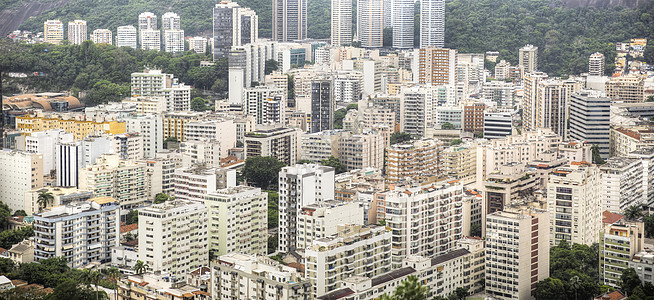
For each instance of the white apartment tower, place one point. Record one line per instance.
(590, 118)
(102, 36)
(150, 39)
(174, 237)
(21, 172)
(621, 183)
(299, 186)
(170, 21)
(528, 58)
(126, 36)
(432, 23)
(197, 44)
(77, 32)
(596, 64)
(147, 20)
(321, 219)
(402, 19)
(370, 23)
(341, 22)
(174, 40)
(158, 84)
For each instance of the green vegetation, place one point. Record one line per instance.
(339, 115)
(44, 199)
(262, 172)
(456, 142)
(5, 212)
(447, 126)
(102, 70)
(597, 159)
(335, 163)
(199, 104)
(273, 209)
(630, 284)
(271, 66)
(475, 229)
(649, 225)
(273, 243)
(411, 289)
(400, 137)
(9, 238)
(159, 198)
(132, 217)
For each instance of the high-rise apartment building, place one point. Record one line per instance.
(500, 92)
(590, 114)
(402, 22)
(53, 32)
(528, 58)
(77, 32)
(621, 183)
(197, 44)
(551, 101)
(413, 160)
(174, 237)
(111, 176)
(233, 26)
(21, 172)
(170, 21)
(620, 239)
(173, 40)
(102, 36)
(424, 220)
(575, 204)
(322, 105)
(158, 84)
(266, 104)
(321, 219)
(279, 142)
(45, 142)
(596, 64)
(126, 36)
(432, 23)
(436, 66)
(361, 151)
(150, 126)
(82, 233)
(300, 186)
(238, 221)
(627, 89)
(341, 22)
(147, 20)
(150, 39)
(416, 111)
(498, 123)
(370, 23)
(473, 117)
(517, 252)
(289, 20)
(530, 95)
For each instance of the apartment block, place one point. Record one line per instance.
(320, 145)
(222, 131)
(150, 39)
(150, 127)
(82, 232)
(21, 172)
(528, 58)
(460, 162)
(154, 83)
(624, 140)
(281, 143)
(621, 183)
(174, 237)
(596, 64)
(128, 145)
(517, 252)
(413, 160)
(196, 182)
(643, 263)
(110, 176)
(266, 104)
(354, 250)
(44, 142)
(511, 183)
(126, 36)
(574, 203)
(361, 151)
(620, 241)
(159, 175)
(102, 36)
(174, 123)
(627, 89)
(425, 220)
(500, 92)
(53, 32)
(238, 221)
(80, 129)
(321, 219)
(300, 186)
(590, 119)
(62, 196)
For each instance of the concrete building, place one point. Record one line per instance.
(45, 142)
(157, 84)
(281, 143)
(361, 151)
(150, 39)
(415, 110)
(500, 92)
(147, 20)
(596, 64)
(170, 21)
(62, 196)
(510, 184)
(435, 66)
(627, 89)
(197, 44)
(126, 36)
(289, 20)
(174, 237)
(402, 19)
(322, 105)
(432, 23)
(501, 71)
(102, 36)
(77, 32)
(643, 263)
(233, 26)
(341, 22)
(150, 127)
(528, 58)
(625, 140)
(620, 240)
(196, 182)
(517, 252)
(81, 232)
(413, 160)
(354, 250)
(370, 23)
(53, 32)
(425, 220)
(321, 219)
(574, 203)
(221, 130)
(459, 162)
(79, 128)
(173, 40)
(153, 285)
(205, 152)
(473, 117)
(159, 175)
(266, 104)
(498, 124)
(128, 145)
(110, 176)
(300, 186)
(22, 253)
(622, 183)
(348, 88)
(320, 145)
(238, 221)
(590, 115)
(240, 276)
(21, 172)
(530, 97)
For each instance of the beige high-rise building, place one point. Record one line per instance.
(370, 23)
(102, 36)
(413, 160)
(627, 89)
(436, 66)
(620, 239)
(123, 180)
(361, 151)
(77, 32)
(517, 252)
(53, 32)
(528, 58)
(546, 102)
(596, 64)
(21, 171)
(341, 22)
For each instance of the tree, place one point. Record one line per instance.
(273, 209)
(5, 212)
(271, 66)
(140, 267)
(273, 243)
(633, 212)
(20, 212)
(575, 282)
(9, 238)
(650, 98)
(198, 104)
(339, 115)
(447, 126)
(456, 142)
(262, 172)
(44, 199)
(629, 280)
(550, 288)
(132, 217)
(459, 294)
(114, 274)
(352, 106)
(475, 229)
(334, 163)
(649, 225)
(411, 289)
(597, 159)
(400, 137)
(161, 198)
(6, 266)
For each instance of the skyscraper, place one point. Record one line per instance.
(596, 64)
(403, 15)
(126, 36)
(170, 21)
(432, 23)
(53, 31)
(289, 20)
(233, 26)
(147, 20)
(528, 58)
(77, 32)
(341, 22)
(370, 23)
(322, 105)
(436, 66)
(590, 115)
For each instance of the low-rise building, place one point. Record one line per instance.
(643, 263)
(158, 285)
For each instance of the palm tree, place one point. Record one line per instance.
(95, 277)
(411, 289)
(633, 212)
(575, 282)
(44, 199)
(114, 275)
(140, 267)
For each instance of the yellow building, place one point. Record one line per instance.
(628, 89)
(80, 129)
(174, 123)
(53, 32)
